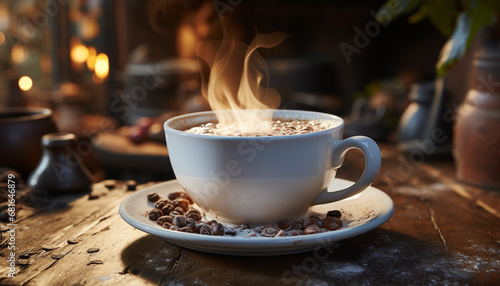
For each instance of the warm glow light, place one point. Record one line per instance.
(25, 83)
(79, 53)
(2, 38)
(101, 66)
(19, 54)
(91, 59)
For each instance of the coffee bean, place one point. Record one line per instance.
(131, 185)
(182, 203)
(298, 225)
(168, 225)
(179, 221)
(160, 204)
(205, 229)
(110, 186)
(174, 195)
(24, 255)
(48, 247)
(167, 208)
(312, 229)
(284, 225)
(311, 221)
(270, 231)
(230, 231)
(93, 197)
(334, 213)
(193, 214)
(179, 210)
(210, 222)
(153, 197)
(190, 221)
(217, 229)
(188, 228)
(154, 214)
(331, 223)
(93, 250)
(23, 262)
(58, 255)
(72, 240)
(174, 213)
(163, 219)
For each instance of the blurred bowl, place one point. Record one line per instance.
(21, 129)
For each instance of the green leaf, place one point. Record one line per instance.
(394, 9)
(455, 47)
(467, 26)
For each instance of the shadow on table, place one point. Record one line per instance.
(375, 258)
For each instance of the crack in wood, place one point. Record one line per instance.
(436, 227)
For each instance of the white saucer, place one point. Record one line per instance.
(360, 214)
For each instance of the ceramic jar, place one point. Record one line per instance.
(21, 129)
(477, 126)
(61, 170)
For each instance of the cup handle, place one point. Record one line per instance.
(372, 166)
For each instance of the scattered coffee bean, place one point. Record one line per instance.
(23, 262)
(24, 255)
(160, 204)
(179, 210)
(311, 221)
(217, 229)
(58, 255)
(190, 221)
(93, 197)
(174, 213)
(97, 261)
(153, 197)
(331, 223)
(174, 195)
(182, 203)
(334, 213)
(193, 214)
(179, 221)
(205, 229)
(210, 222)
(312, 229)
(284, 225)
(168, 225)
(270, 231)
(167, 209)
(230, 231)
(188, 228)
(163, 219)
(131, 185)
(48, 247)
(154, 214)
(110, 186)
(93, 249)
(72, 240)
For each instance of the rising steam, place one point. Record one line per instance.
(237, 78)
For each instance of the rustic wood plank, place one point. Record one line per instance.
(442, 232)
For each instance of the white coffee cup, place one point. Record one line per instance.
(264, 179)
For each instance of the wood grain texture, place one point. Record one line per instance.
(442, 232)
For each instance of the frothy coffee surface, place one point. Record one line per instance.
(266, 128)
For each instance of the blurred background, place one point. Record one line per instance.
(112, 71)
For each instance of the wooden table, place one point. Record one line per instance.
(441, 233)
